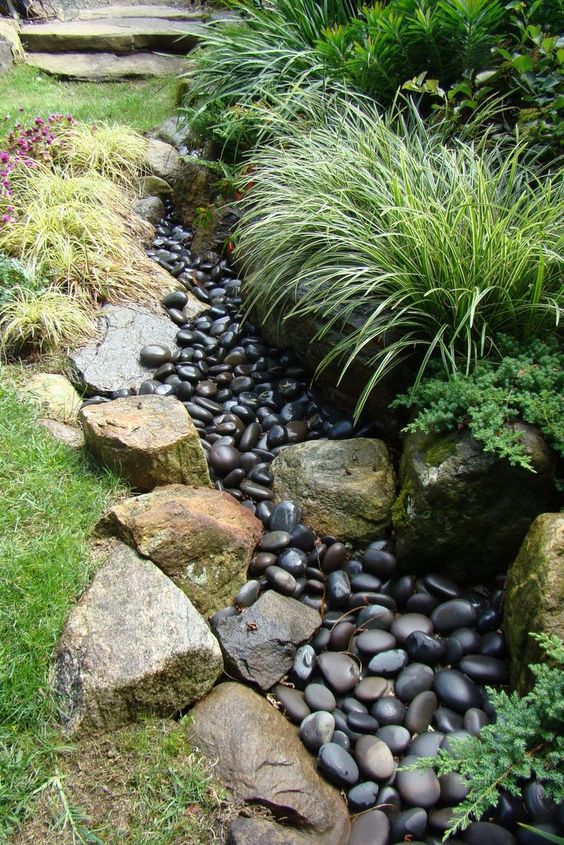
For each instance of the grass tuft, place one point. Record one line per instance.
(42, 320)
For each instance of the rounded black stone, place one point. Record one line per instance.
(406, 624)
(337, 765)
(412, 680)
(453, 614)
(396, 737)
(456, 690)
(483, 669)
(319, 697)
(363, 796)
(286, 516)
(420, 788)
(304, 662)
(372, 642)
(274, 541)
(409, 824)
(388, 663)
(293, 703)
(248, 594)
(375, 616)
(280, 580)
(154, 355)
(425, 648)
(478, 833)
(293, 561)
(224, 459)
(389, 711)
(362, 722)
(441, 586)
(338, 588)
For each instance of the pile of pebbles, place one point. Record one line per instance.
(400, 664)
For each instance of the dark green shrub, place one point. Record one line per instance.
(526, 741)
(527, 383)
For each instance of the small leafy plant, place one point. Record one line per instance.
(526, 741)
(527, 383)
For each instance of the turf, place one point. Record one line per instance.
(142, 105)
(52, 497)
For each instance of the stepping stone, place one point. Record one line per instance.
(171, 13)
(107, 67)
(112, 35)
(134, 644)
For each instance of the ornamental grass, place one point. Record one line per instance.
(449, 244)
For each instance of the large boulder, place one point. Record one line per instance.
(345, 488)
(147, 440)
(196, 188)
(201, 538)
(134, 644)
(260, 644)
(259, 757)
(111, 360)
(54, 395)
(150, 209)
(11, 50)
(163, 161)
(464, 512)
(534, 595)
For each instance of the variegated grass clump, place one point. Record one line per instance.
(117, 153)
(449, 244)
(78, 233)
(41, 320)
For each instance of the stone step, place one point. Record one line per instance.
(171, 13)
(107, 67)
(112, 35)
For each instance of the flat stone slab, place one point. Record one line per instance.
(143, 10)
(134, 644)
(112, 35)
(111, 362)
(107, 67)
(259, 645)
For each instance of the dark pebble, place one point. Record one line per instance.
(293, 703)
(420, 788)
(483, 669)
(338, 765)
(421, 711)
(154, 355)
(319, 697)
(280, 580)
(374, 758)
(405, 625)
(316, 730)
(456, 690)
(274, 541)
(363, 796)
(388, 711)
(409, 824)
(396, 737)
(339, 670)
(370, 828)
(425, 648)
(414, 679)
(388, 663)
(453, 614)
(479, 833)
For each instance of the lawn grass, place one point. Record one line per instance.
(141, 105)
(52, 497)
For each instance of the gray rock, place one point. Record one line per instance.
(371, 828)
(259, 645)
(134, 644)
(6, 58)
(70, 435)
(150, 209)
(317, 729)
(374, 758)
(54, 395)
(484, 505)
(258, 755)
(419, 788)
(111, 361)
(344, 487)
(534, 595)
(163, 161)
(107, 67)
(148, 440)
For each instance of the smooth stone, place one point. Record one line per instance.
(440, 820)
(408, 824)
(474, 720)
(363, 796)
(337, 765)
(378, 562)
(341, 636)
(493, 644)
(539, 806)
(261, 562)
(285, 517)
(423, 603)
(374, 758)
(350, 704)
(154, 355)
(405, 625)
(370, 828)
(255, 491)
(450, 742)
(453, 614)
(321, 640)
(364, 582)
(319, 697)
(339, 670)
(334, 558)
(421, 711)
(441, 586)
(390, 801)
(396, 737)
(280, 580)
(468, 638)
(478, 833)
(447, 720)
(248, 594)
(362, 722)
(456, 690)
(371, 689)
(293, 561)
(375, 616)
(304, 663)
(427, 744)
(342, 739)
(388, 663)
(375, 641)
(414, 679)
(420, 788)
(484, 670)
(316, 730)
(389, 711)
(338, 588)
(224, 459)
(425, 648)
(274, 541)
(293, 703)
(509, 811)
(453, 789)
(303, 537)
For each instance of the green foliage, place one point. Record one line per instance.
(526, 741)
(44, 528)
(13, 275)
(526, 383)
(443, 247)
